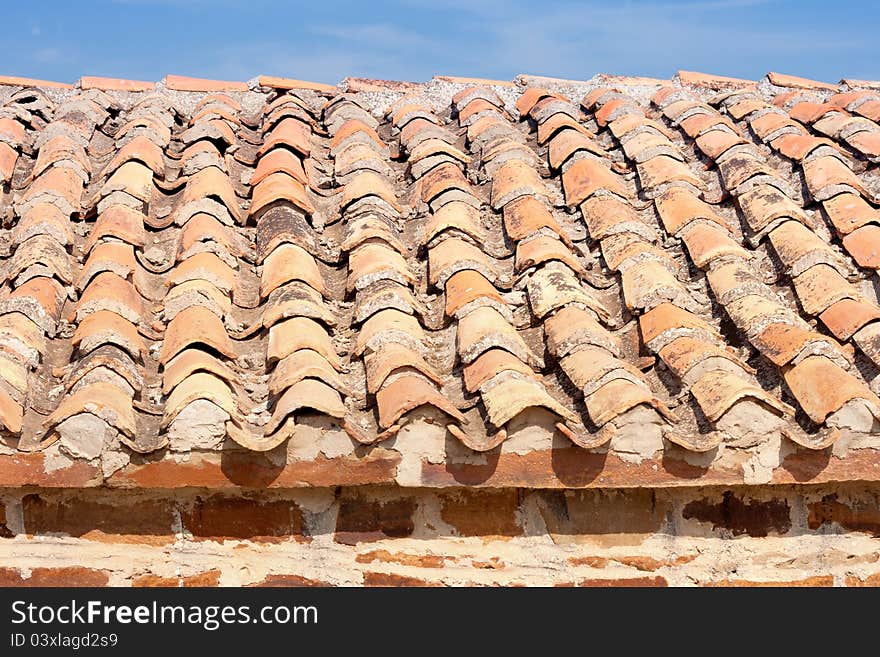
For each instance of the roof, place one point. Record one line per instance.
(612, 282)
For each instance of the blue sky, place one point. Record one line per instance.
(324, 40)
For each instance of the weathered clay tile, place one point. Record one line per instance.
(106, 327)
(116, 257)
(455, 215)
(279, 160)
(846, 316)
(103, 400)
(707, 243)
(553, 287)
(610, 215)
(863, 244)
(64, 151)
(512, 395)
(666, 319)
(822, 388)
(799, 248)
(301, 333)
(766, 207)
(544, 248)
(820, 286)
(40, 250)
(484, 328)
(618, 396)
(849, 211)
(679, 207)
(586, 177)
(526, 216)
(192, 326)
(783, 343)
(663, 170)
(375, 261)
(139, 149)
(560, 122)
(467, 286)
(568, 142)
(190, 361)
(134, 178)
(199, 385)
(39, 298)
(514, 179)
(109, 291)
(391, 325)
(827, 176)
(648, 145)
(490, 364)
(306, 394)
(197, 292)
(280, 187)
(647, 283)
(407, 393)
(290, 263)
(590, 368)
(453, 255)
(289, 133)
(718, 390)
(372, 228)
(382, 363)
(367, 184)
(442, 178)
(203, 266)
(573, 328)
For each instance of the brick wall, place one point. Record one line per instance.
(376, 536)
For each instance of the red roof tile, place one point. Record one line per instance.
(183, 83)
(314, 259)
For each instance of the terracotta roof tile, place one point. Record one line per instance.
(183, 83)
(400, 252)
(586, 177)
(716, 82)
(13, 81)
(822, 387)
(114, 84)
(782, 80)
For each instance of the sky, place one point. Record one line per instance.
(326, 40)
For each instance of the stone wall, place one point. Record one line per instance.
(792, 535)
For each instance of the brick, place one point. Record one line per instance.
(220, 518)
(402, 558)
(255, 470)
(280, 581)
(28, 469)
(623, 582)
(605, 517)
(207, 578)
(854, 517)
(815, 581)
(482, 513)
(389, 579)
(73, 576)
(754, 518)
(870, 580)
(360, 519)
(592, 562)
(647, 564)
(4, 529)
(128, 520)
